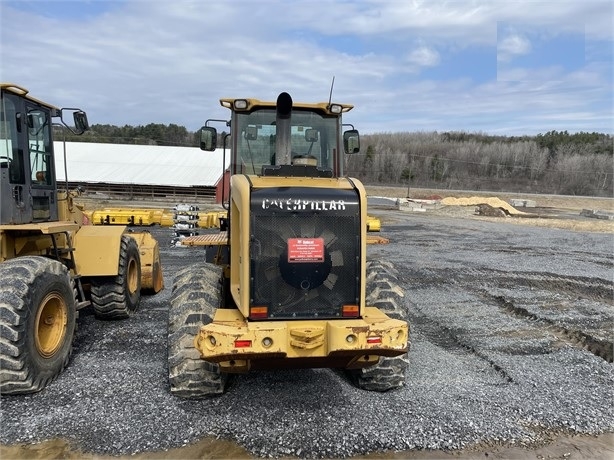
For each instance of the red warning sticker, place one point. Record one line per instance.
(305, 250)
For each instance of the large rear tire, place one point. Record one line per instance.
(117, 297)
(384, 292)
(195, 297)
(37, 322)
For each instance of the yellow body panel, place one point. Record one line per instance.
(97, 254)
(343, 342)
(33, 239)
(151, 268)
(45, 228)
(97, 250)
(240, 215)
(68, 210)
(252, 104)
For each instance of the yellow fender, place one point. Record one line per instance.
(97, 254)
(151, 269)
(97, 250)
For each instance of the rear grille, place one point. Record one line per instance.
(304, 251)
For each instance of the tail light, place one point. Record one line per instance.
(350, 311)
(258, 312)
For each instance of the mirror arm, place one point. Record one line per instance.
(61, 115)
(227, 122)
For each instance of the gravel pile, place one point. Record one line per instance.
(481, 372)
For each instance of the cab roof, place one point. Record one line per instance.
(21, 91)
(251, 104)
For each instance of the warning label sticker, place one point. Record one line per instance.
(305, 250)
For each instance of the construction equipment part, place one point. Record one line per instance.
(162, 217)
(51, 263)
(121, 216)
(373, 224)
(286, 283)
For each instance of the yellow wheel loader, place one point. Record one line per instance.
(286, 283)
(51, 264)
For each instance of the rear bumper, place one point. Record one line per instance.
(238, 345)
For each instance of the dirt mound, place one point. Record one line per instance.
(487, 210)
(477, 200)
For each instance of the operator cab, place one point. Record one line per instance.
(285, 139)
(27, 169)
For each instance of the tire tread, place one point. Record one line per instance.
(18, 372)
(110, 298)
(195, 297)
(384, 292)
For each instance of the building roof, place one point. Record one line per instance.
(139, 164)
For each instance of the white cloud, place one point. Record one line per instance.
(169, 62)
(472, 22)
(424, 56)
(512, 46)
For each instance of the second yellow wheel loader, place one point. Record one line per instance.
(287, 283)
(51, 264)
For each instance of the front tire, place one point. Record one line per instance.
(37, 320)
(195, 297)
(384, 292)
(118, 297)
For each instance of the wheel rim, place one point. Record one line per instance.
(133, 277)
(50, 326)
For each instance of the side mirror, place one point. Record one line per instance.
(81, 123)
(31, 121)
(251, 133)
(311, 135)
(351, 141)
(208, 138)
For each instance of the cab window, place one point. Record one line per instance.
(313, 139)
(39, 127)
(10, 160)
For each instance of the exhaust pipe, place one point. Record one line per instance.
(283, 137)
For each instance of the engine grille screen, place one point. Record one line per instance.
(304, 251)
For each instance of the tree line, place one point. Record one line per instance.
(555, 162)
(151, 134)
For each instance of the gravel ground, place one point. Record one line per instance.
(511, 345)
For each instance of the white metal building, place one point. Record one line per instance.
(140, 169)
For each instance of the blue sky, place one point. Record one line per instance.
(498, 67)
